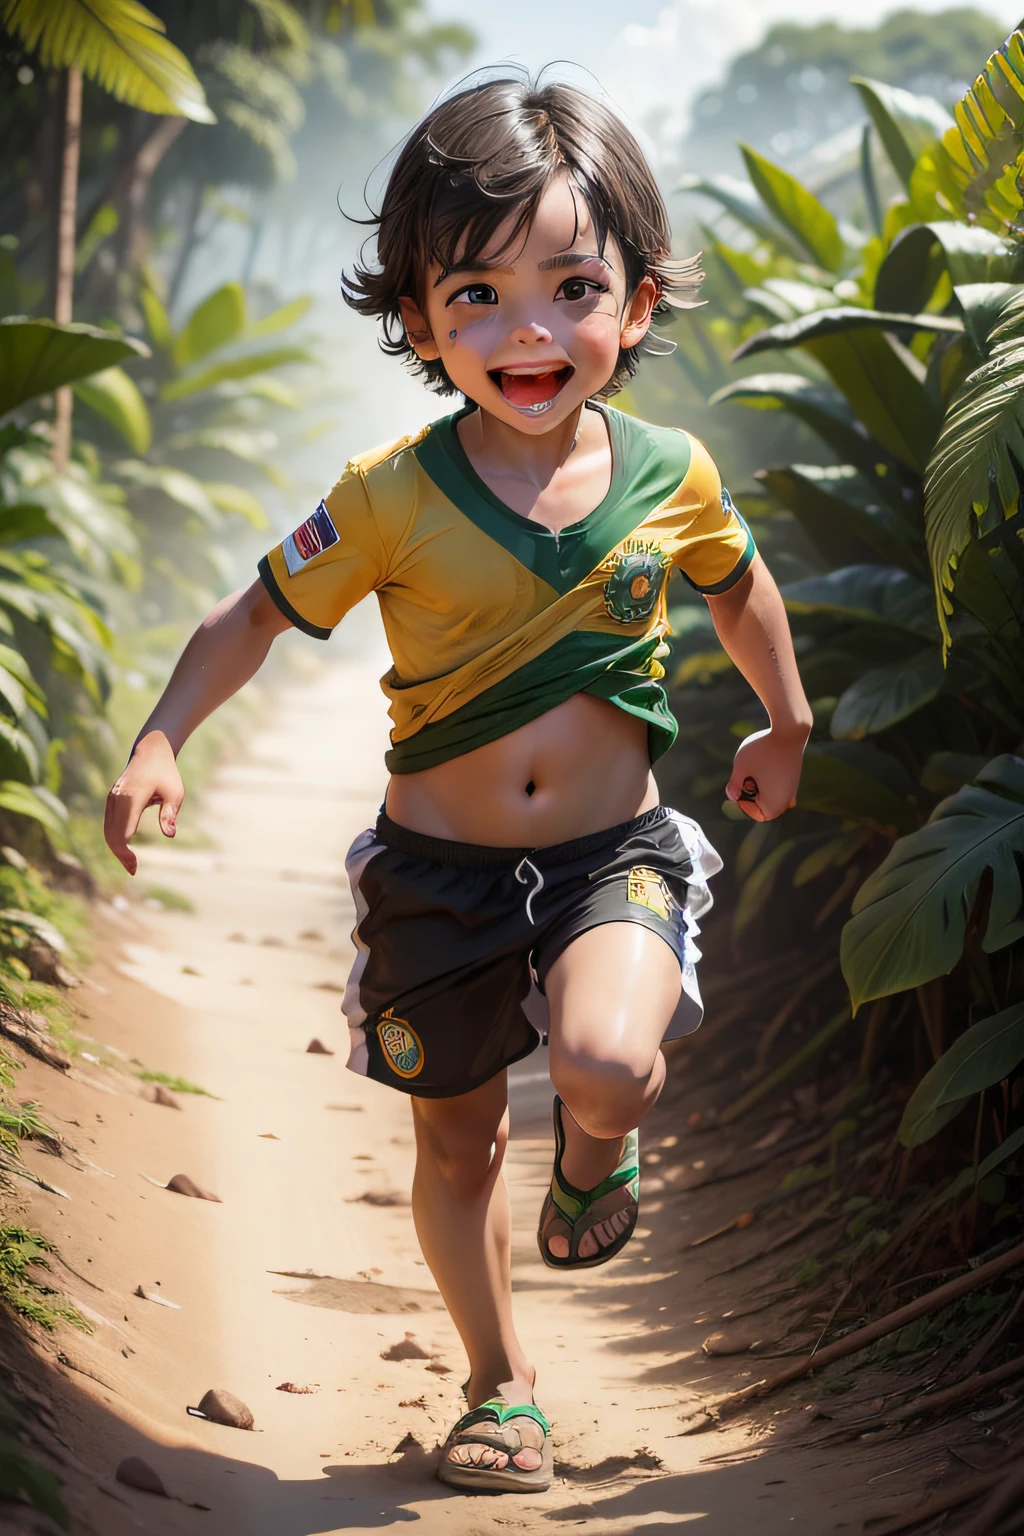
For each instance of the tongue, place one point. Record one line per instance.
(531, 388)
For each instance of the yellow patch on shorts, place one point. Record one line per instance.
(401, 1045)
(646, 888)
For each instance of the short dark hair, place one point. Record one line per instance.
(493, 148)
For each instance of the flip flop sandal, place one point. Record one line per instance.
(493, 1424)
(581, 1209)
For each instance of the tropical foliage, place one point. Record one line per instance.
(897, 537)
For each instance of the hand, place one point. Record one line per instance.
(151, 778)
(766, 772)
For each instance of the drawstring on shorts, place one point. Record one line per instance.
(522, 876)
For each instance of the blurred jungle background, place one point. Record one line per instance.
(179, 381)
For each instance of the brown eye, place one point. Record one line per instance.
(576, 288)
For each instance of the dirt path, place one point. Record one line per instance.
(312, 1165)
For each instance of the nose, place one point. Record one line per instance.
(530, 333)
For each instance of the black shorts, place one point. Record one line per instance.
(454, 940)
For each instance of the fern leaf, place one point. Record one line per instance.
(117, 43)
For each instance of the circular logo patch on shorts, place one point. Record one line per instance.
(401, 1045)
(634, 586)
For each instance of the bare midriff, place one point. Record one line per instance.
(580, 768)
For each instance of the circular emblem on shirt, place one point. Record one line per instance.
(402, 1047)
(635, 585)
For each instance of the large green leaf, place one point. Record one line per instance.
(37, 356)
(982, 1056)
(175, 484)
(742, 203)
(979, 446)
(117, 43)
(919, 255)
(886, 695)
(228, 497)
(883, 383)
(979, 162)
(281, 319)
(907, 124)
(116, 397)
(988, 308)
(855, 782)
(819, 406)
(220, 318)
(234, 368)
(33, 802)
(842, 514)
(797, 209)
(910, 915)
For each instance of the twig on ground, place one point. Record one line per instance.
(860, 1338)
(953, 1498)
(1003, 1499)
(991, 1337)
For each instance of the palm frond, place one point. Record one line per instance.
(117, 43)
(980, 163)
(974, 460)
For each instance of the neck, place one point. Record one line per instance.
(532, 458)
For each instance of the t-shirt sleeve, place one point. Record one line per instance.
(329, 563)
(716, 546)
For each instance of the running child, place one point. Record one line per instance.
(522, 878)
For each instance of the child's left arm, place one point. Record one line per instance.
(751, 623)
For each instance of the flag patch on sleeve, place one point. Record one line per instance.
(310, 539)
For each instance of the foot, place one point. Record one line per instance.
(590, 1211)
(523, 1436)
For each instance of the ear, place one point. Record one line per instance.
(417, 330)
(637, 318)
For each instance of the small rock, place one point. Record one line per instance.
(328, 986)
(733, 1342)
(272, 942)
(237, 938)
(164, 1096)
(190, 970)
(224, 1408)
(289, 1386)
(181, 1184)
(136, 1473)
(267, 1136)
(313, 935)
(406, 1349)
(161, 1301)
(439, 1368)
(317, 1048)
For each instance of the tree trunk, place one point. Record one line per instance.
(64, 292)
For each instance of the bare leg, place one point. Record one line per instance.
(461, 1210)
(612, 994)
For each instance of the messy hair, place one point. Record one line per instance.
(489, 151)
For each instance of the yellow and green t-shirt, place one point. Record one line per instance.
(492, 619)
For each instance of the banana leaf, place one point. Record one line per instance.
(797, 209)
(34, 802)
(115, 396)
(841, 513)
(841, 321)
(175, 484)
(220, 318)
(918, 257)
(989, 308)
(38, 356)
(233, 369)
(821, 407)
(910, 915)
(981, 1057)
(886, 695)
(742, 203)
(855, 782)
(280, 319)
(907, 124)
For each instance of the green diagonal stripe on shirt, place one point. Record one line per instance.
(584, 662)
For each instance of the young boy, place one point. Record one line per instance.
(522, 876)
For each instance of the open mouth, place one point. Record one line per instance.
(535, 391)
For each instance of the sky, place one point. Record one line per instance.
(665, 53)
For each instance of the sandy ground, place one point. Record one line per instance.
(312, 1165)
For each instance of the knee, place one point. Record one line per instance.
(606, 1094)
(465, 1155)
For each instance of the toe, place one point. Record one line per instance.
(558, 1246)
(528, 1460)
(588, 1244)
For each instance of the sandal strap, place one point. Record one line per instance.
(497, 1411)
(572, 1203)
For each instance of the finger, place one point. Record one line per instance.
(169, 809)
(120, 821)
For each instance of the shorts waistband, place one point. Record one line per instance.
(479, 856)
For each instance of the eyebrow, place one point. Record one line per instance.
(571, 259)
(564, 259)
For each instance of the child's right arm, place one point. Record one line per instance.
(227, 649)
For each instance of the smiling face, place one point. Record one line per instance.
(532, 330)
